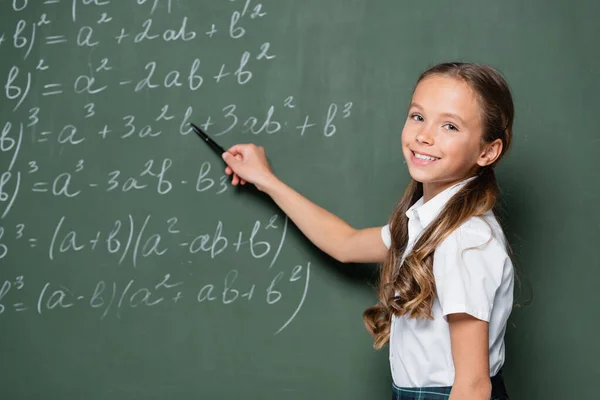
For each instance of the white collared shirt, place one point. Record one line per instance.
(479, 283)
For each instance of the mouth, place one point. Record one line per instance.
(422, 159)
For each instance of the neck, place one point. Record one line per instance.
(432, 189)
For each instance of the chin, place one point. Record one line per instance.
(422, 181)
(421, 176)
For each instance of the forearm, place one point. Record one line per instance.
(323, 228)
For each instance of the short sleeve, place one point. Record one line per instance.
(468, 269)
(386, 236)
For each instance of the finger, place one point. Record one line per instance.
(237, 149)
(243, 182)
(235, 180)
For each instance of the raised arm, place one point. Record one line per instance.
(324, 229)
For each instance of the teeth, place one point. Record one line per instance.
(424, 157)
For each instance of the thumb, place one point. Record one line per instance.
(229, 158)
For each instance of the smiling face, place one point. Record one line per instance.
(442, 136)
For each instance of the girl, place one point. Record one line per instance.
(446, 281)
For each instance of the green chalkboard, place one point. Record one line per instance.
(130, 269)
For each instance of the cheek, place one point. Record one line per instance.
(406, 136)
(462, 151)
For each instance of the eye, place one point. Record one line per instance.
(450, 127)
(416, 117)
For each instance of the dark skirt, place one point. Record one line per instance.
(443, 392)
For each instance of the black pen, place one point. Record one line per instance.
(218, 149)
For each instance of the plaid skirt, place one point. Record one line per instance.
(443, 392)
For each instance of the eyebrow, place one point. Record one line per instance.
(446, 114)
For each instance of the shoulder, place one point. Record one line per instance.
(477, 246)
(483, 233)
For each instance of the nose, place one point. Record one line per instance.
(424, 136)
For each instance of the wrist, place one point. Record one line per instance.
(268, 184)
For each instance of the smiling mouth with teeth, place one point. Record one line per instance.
(424, 157)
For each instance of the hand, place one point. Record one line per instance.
(247, 163)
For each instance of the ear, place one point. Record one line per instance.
(490, 153)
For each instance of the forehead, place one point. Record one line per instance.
(444, 94)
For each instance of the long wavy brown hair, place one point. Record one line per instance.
(410, 290)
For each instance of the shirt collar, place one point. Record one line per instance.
(427, 212)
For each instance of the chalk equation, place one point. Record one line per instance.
(21, 82)
(120, 298)
(132, 240)
(81, 78)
